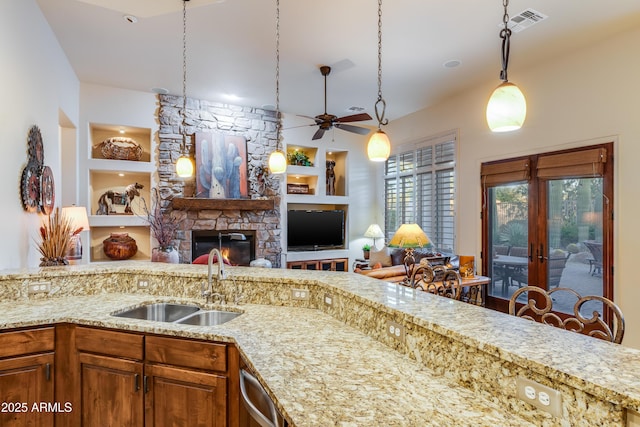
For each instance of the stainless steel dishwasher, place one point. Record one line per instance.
(257, 402)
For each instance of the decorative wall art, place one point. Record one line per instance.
(37, 189)
(221, 166)
(109, 199)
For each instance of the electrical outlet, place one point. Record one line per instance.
(540, 396)
(39, 287)
(143, 283)
(328, 300)
(300, 294)
(395, 330)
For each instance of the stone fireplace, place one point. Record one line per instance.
(257, 216)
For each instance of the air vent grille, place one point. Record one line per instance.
(524, 20)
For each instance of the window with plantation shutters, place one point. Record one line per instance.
(419, 188)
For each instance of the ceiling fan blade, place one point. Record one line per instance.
(354, 118)
(307, 117)
(319, 134)
(354, 129)
(300, 126)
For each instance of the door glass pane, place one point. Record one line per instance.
(508, 238)
(574, 240)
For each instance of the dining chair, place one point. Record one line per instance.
(578, 321)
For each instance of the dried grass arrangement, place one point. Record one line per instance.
(163, 225)
(55, 233)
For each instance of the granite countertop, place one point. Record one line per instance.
(336, 366)
(320, 371)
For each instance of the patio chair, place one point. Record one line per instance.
(594, 326)
(556, 267)
(595, 263)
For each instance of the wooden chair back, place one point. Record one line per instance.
(594, 326)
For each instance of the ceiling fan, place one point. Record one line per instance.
(327, 121)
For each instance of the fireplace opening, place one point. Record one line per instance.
(237, 246)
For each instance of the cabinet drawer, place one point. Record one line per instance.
(187, 353)
(121, 344)
(27, 341)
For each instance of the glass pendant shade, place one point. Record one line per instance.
(277, 162)
(507, 108)
(184, 167)
(379, 147)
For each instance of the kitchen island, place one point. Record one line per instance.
(453, 364)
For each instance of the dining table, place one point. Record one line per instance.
(506, 265)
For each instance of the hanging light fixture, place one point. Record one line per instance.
(507, 107)
(379, 147)
(184, 165)
(277, 159)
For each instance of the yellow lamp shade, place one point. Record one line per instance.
(379, 147)
(507, 108)
(277, 162)
(409, 236)
(184, 167)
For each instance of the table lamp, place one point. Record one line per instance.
(409, 237)
(79, 219)
(374, 232)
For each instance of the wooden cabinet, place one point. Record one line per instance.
(129, 379)
(335, 264)
(111, 392)
(26, 378)
(185, 383)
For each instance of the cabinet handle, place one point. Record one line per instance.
(531, 253)
(145, 381)
(47, 371)
(137, 381)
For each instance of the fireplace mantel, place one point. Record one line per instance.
(197, 203)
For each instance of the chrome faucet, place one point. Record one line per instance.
(208, 293)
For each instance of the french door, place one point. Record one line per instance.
(547, 222)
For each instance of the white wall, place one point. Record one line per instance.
(590, 96)
(37, 84)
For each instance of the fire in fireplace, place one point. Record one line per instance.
(237, 246)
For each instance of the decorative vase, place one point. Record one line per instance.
(53, 261)
(366, 254)
(119, 246)
(260, 262)
(167, 254)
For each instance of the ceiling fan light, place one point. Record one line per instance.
(277, 162)
(184, 167)
(379, 147)
(506, 109)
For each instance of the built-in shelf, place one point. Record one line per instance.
(196, 203)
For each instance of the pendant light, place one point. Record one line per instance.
(184, 165)
(379, 147)
(507, 107)
(277, 159)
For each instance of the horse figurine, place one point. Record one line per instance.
(110, 198)
(331, 178)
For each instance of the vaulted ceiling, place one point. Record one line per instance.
(231, 46)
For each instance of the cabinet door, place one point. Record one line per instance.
(24, 382)
(182, 397)
(111, 391)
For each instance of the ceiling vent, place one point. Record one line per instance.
(524, 20)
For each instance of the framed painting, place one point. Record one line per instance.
(221, 166)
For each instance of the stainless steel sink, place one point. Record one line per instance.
(161, 312)
(209, 318)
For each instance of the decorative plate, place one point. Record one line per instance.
(30, 188)
(47, 191)
(36, 148)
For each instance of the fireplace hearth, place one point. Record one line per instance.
(237, 246)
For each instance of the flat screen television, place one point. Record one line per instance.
(310, 230)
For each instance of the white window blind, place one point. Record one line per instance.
(420, 186)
